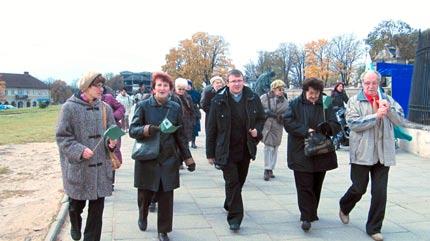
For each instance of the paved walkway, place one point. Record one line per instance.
(271, 211)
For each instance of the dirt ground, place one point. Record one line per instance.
(31, 190)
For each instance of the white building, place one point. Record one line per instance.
(22, 90)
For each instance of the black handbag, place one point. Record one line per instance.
(317, 143)
(147, 149)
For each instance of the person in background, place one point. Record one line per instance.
(339, 96)
(85, 161)
(181, 96)
(216, 83)
(118, 113)
(141, 93)
(161, 175)
(195, 96)
(275, 105)
(371, 117)
(127, 102)
(234, 128)
(305, 115)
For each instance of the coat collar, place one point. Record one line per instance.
(224, 93)
(76, 98)
(153, 102)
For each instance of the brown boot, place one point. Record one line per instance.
(266, 175)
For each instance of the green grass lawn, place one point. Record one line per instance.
(28, 125)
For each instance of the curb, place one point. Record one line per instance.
(56, 226)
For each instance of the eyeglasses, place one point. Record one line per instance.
(98, 85)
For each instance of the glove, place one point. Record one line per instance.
(191, 167)
(324, 128)
(152, 129)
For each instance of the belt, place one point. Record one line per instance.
(94, 136)
(95, 165)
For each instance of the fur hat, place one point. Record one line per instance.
(216, 78)
(86, 80)
(277, 84)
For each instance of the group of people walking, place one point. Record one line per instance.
(237, 119)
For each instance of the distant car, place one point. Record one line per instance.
(6, 107)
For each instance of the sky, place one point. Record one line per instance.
(64, 39)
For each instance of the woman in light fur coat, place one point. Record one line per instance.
(275, 105)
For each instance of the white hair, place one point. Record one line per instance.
(181, 82)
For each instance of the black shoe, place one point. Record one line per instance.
(152, 207)
(163, 237)
(306, 225)
(266, 175)
(234, 227)
(76, 234)
(143, 224)
(271, 174)
(193, 145)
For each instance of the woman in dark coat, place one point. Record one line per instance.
(159, 176)
(188, 109)
(339, 96)
(209, 92)
(118, 113)
(305, 115)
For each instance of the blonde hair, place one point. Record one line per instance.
(216, 78)
(277, 84)
(181, 82)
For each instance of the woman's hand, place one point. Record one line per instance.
(87, 153)
(253, 132)
(112, 143)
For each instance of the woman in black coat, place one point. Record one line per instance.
(159, 176)
(339, 96)
(305, 115)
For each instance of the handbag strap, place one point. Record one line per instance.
(104, 115)
(268, 101)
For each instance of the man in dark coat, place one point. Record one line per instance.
(235, 125)
(305, 115)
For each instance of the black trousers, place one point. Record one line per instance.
(308, 185)
(234, 176)
(93, 228)
(164, 211)
(360, 179)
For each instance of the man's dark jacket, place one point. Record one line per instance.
(219, 125)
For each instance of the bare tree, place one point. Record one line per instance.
(283, 61)
(298, 67)
(345, 51)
